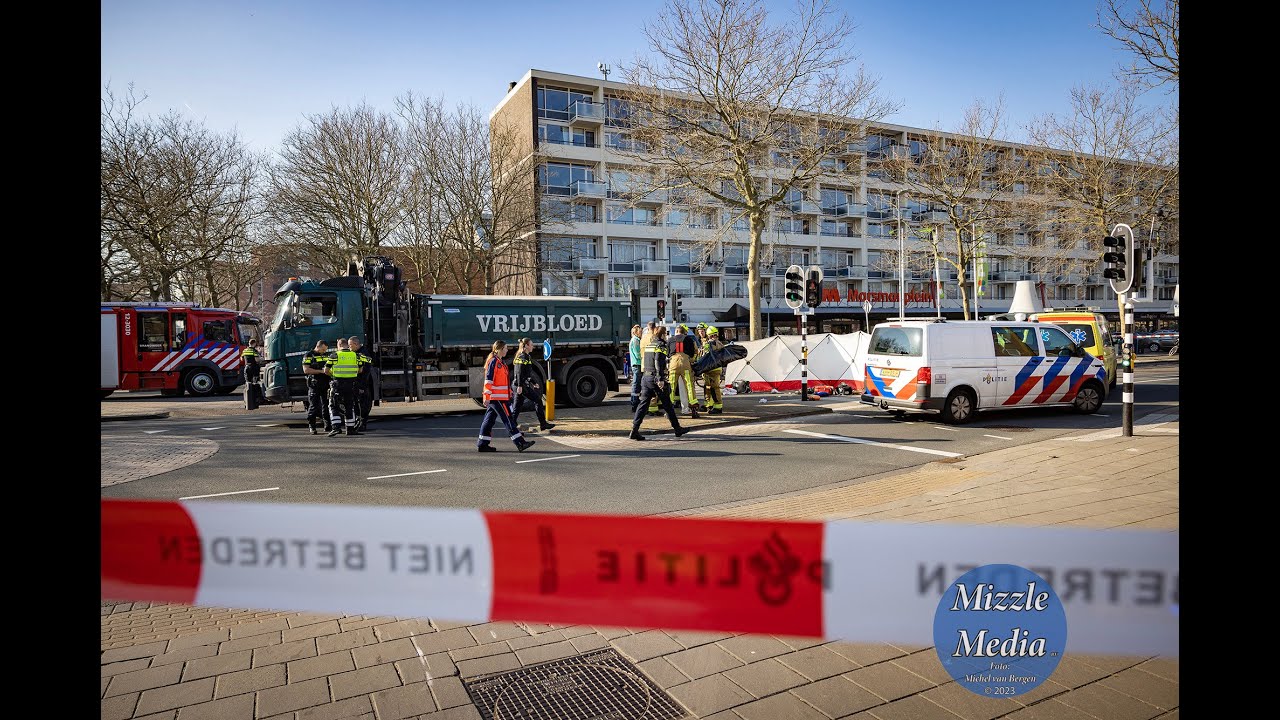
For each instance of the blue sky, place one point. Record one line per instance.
(262, 67)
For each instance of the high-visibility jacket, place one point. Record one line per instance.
(497, 381)
(249, 354)
(346, 364)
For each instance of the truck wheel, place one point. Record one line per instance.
(1089, 399)
(959, 407)
(199, 382)
(586, 387)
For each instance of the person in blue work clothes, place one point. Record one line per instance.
(637, 369)
(497, 401)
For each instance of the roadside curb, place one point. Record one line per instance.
(708, 426)
(137, 416)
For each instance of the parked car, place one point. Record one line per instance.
(1159, 341)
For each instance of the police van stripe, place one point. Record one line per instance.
(1053, 378)
(846, 580)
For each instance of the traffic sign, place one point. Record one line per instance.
(546, 349)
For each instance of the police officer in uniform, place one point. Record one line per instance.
(313, 368)
(525, 382)
(364, 384)
(343, 367)
(654, 384)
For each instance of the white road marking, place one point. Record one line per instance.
(1131, 449)
(153, 432)
(220, 427)
(237, 492)
(558, 457)
(422, 472)
(269, 425)
(944, 427)
(998, 437)
(842, 438)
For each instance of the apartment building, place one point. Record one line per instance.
(665, 242)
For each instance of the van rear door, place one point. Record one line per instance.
(895, 355)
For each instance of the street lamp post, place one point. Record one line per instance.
(902, 257)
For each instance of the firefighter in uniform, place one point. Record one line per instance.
(364, 385)
(313, 369)
(680, 353)
(344, 366)
(497, 402)
(525, 381)
(713, 379)
(653, 385)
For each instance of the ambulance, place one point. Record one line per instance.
(959, 368)
(1089, 330)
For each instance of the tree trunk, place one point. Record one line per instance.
(753, 274)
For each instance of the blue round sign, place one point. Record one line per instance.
(1000, 630)
(546, 349)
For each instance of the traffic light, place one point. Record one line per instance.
(813, 287)
(794, 287)
(662, 310)
(1119, 268)
(1124, 363)
(678, 315)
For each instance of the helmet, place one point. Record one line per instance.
(702, 325)
(713, 330)
(684, 328)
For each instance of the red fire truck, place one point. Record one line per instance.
(174, 347)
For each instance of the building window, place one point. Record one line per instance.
(564, 135)
(559, 178)
(556, 103)
(621, 214)
(735, 288)
(560, 252)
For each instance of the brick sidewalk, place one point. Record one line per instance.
(180, 663)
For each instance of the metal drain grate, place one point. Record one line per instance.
(599, 685)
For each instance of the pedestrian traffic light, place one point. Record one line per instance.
(662, 310)
(1119, 268)
(794, 287)
(813, 287)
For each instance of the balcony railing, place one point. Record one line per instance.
(855, 148)
(839, 230)
(709, 269)
(654, 267)
(735, 269)
(1166, 279)
(930, 216)
(586, 113)
(591, 265)
(623, 267)
(805, 207)
(589, 189)
(852, 271)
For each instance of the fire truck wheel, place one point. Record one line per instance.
(199, 382)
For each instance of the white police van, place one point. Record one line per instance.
(958, 368)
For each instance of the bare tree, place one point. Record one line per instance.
(1109, 161)
(337, 191)
(744, 111)
(174, 193)
(967, 182)
(474, 197)
(1150, 34)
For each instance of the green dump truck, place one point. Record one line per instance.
(425, 345)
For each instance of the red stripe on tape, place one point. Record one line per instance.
(150, 551)
(680, 573)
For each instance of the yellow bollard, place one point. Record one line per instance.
(551, 400)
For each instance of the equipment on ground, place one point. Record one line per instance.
(715, 359)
